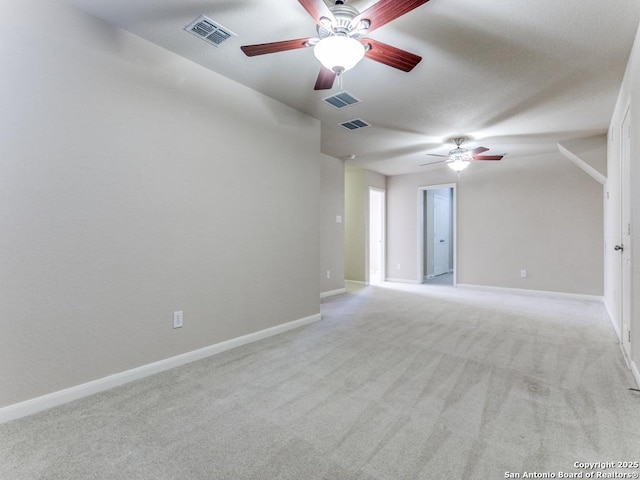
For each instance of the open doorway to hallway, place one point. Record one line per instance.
(437, 231)
(376, 235)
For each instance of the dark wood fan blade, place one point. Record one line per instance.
(385, 11)
(432, 163)
(392, 56)
(273, 47)
(325, 79)
(478, 150)
(317, 9)
(488, 157)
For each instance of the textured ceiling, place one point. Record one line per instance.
(515, 76)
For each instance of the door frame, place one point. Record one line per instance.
(437, 236)
(383, 233)
(626, 273)
(421, 240)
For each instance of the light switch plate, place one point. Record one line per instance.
(177, 319)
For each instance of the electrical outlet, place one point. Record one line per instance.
(398, 266)
(523, 274)
(328, 273)
(177, 319)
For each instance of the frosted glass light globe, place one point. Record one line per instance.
(339, 53)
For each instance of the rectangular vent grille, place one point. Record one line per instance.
(355, 124)
(209, 31)
(341, 100)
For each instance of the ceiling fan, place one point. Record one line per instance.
(340, 45)
(459, 158)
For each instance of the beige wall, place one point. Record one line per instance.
(134, 183)
(629, 97)
(356, 241)
(544, 216)
(331, 231)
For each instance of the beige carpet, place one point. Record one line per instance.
(396, 382)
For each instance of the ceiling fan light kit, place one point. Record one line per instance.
(459, 158)
(458, 165)
(339, 53)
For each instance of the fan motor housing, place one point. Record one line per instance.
(343, 25)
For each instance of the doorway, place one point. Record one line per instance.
(437, 234)
(376, 235)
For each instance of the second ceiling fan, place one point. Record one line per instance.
(458, 159)
(340, 43)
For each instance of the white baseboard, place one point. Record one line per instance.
(333, 292)
(38, 404)
(401, 280)
(613, 321)
(630, 363)
(358, 282)
(535, 293)
(636, 373)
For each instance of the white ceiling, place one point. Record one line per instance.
(515, 76)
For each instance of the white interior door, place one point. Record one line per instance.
(625, 245)
(441, 233)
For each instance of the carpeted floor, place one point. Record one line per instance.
(396, 382)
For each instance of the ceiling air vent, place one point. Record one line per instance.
(209, 31)
(355, 124)
(341, 100)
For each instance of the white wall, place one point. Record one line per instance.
(356, 243)
(134, 183)
(629, 97)
(331, 231)
(543, 215)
